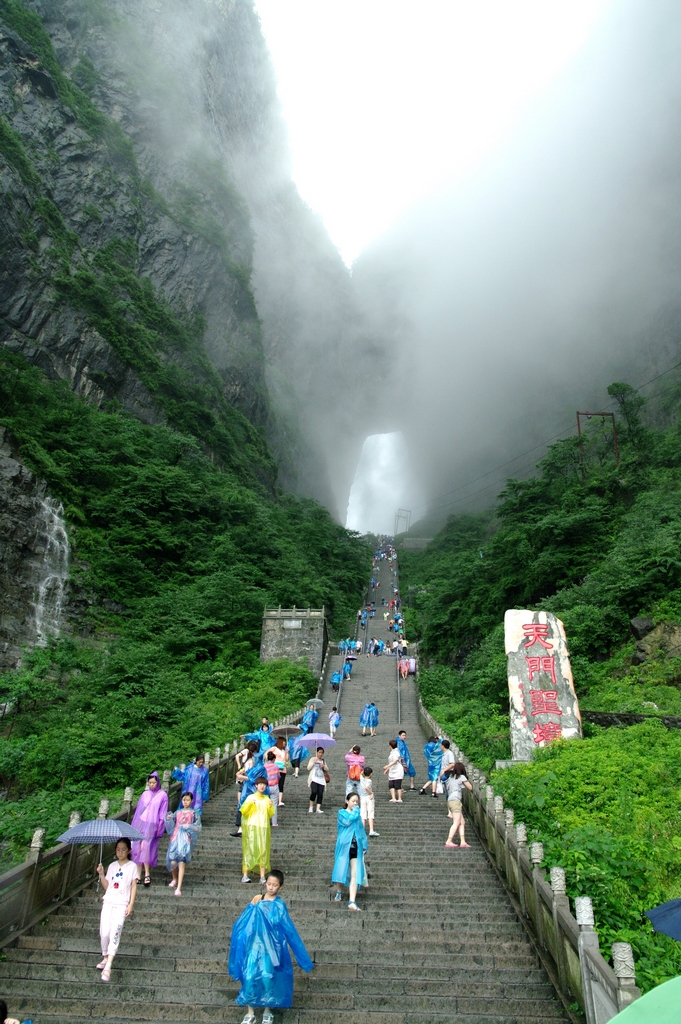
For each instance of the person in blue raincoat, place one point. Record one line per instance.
(195, 779)
(262, 736)
(405, 756)
(259, 952)
(309, 719)
(433, 755)
(347, 669)
(336, 681)
(351, 845)
(368, 718)
(296, 752)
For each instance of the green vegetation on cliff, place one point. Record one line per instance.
(596, 543)
(174, 559)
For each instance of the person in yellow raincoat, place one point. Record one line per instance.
(256, 812)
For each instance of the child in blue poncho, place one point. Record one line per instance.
(433, 755)
(195, 779)
(407, 762)
(307, 723)
(259, 957)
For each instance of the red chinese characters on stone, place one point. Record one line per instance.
(536, 633)
(545, 702)
(547, 732)
(535, 665)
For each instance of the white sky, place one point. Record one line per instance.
(388, 100)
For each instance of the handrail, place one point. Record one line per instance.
(567, 946)
(46, 880)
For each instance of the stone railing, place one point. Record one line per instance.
(567, 945)
(34, 889)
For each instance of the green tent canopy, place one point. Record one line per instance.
(662, 1005)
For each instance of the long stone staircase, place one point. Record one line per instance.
(437, 940)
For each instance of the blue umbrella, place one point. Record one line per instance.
(667, 918)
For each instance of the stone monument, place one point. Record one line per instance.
(297, 634)
(543, 703)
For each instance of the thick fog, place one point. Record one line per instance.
(514, 300)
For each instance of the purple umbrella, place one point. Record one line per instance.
(316, 739)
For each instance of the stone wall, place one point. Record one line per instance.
(297, 634)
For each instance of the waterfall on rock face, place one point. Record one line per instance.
(55, 570)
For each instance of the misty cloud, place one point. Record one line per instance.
(518, 298)
(381, 484)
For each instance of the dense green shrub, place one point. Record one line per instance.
(608, 811)
(595, 548)
(173, 561)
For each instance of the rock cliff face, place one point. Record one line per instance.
(156, 125)
(153, 248)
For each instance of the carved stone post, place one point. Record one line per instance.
(70, 859)
(509, 829)
(588, 939)
(623, 966)
(167, 776)
(104, 806)
(488, 816)
(521, 839)
(126, 806)
(32, 881)
(537, 856)
(560, 902)
(498, 841)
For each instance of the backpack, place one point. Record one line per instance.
(355, 772)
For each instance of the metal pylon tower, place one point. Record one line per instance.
(403, 515)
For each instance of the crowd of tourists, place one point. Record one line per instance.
(259, 951)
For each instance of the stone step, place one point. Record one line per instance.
(217, 989)
(353, 1005)
(388, 916)
(325, 976)
(235, 1014)
(437, 942)
(372, 962)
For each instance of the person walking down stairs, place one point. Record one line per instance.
(351, 845)
(318, 776)
(256, 812)
(259, 952)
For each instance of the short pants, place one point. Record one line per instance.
(394, 783)
(366, 808)
(455, 806)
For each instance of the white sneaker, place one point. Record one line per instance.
(245, 879)
(249, 1019)
(268, 1018)
(310, 810)
(374, 833)
(319, 812)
